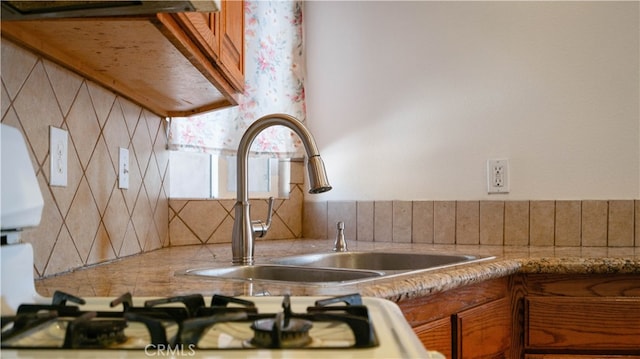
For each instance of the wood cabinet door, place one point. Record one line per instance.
(204, 28)
(436, 336)
(232, 42)
(220, 36)
(484, 331)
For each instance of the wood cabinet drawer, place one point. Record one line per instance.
(582, 323)
(579, 356)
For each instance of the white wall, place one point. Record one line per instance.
(408, 100)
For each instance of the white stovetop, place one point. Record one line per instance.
(396, 338)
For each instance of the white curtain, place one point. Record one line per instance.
(274, 83)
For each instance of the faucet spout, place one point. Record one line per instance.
(244, 230)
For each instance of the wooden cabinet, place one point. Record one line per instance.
(582, 323)
(220, 36)
(437, 336)
(474, 321)
(581, 316)
(204, 28)
(533, 316)
(484, 331)
(232, 41)
(573, 356)
(171, 64)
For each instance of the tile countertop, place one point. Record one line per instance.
(153, 273)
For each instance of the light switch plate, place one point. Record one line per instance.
(123, 172)
(58, 148)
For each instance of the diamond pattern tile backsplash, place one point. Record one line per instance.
(90, 220)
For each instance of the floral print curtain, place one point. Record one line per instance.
(274, 83)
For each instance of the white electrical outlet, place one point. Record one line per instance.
(123, 172)
(498, 176)
(58, 145)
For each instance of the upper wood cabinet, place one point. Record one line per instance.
(232, 40)
(172, 64)
(220, 38)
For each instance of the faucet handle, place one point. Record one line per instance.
(260, 228)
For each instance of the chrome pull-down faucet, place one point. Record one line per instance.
(242, 243)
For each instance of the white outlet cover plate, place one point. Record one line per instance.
(58, 149)
(492, 176)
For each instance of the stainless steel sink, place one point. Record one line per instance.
(335, 268)
(284, 273)
(378, 261)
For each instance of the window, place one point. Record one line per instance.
(201, 175)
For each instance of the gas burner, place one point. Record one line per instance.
(83, 332)
(279, 332)
(282, 331)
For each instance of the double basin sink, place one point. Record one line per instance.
(336, 267)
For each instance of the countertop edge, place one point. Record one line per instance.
(424, 284)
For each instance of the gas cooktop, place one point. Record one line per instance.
(219, 326)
